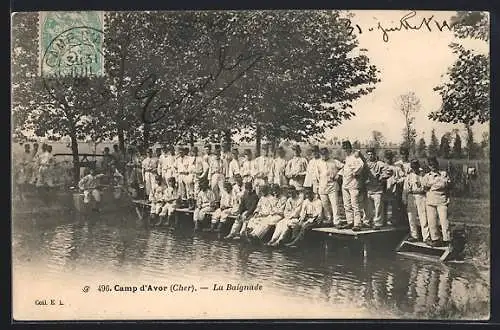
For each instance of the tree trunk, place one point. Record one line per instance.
(227, 138)
(274, 145)
(121, 139)
(76, 158)
(191, 139)
(258, 140)
(146, 136)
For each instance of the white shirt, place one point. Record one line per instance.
(351, 172)
(234, 168)
(327, 173)
(278, 172)
(263, 166)
(296, 166)
(312, 176)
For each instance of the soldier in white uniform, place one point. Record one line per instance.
(46, 167)
(296, 169)
(278, 169)
(215, 174)
(311, 178)
(416, 203)
(205, 202)
(437, 184)
(263, 167)
(149, 171)
(34, 164)
(328, 186)
(351, 186)
(195, 169)
(226, 207)
(167, 164)
(233, 166)
(182, 166)
(375, 190)
(247, 169)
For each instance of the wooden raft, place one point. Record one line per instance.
(423, 251)
(365, 233)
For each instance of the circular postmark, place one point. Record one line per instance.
(72, 68)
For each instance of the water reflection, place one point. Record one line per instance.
(406, 287)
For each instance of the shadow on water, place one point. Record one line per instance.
(118, 243)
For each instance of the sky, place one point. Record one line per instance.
(412, 60)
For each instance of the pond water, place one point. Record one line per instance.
(329, 279)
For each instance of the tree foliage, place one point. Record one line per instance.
(465, 93)
(444, 146)
(457, 146)
(174, 76)
(433, 148)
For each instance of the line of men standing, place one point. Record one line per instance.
(367, 187)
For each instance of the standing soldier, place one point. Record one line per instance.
(351, 185)
(182, 166)
(23, 171)
(263, 165)
(34, 164)
(167, 164)
(46, 162)
(311, 179)
(233, 166)
(328, 186)
(278, 169)
(393, 177)
(437, 197)
(405, 168)
(149, 169)
(195, 170)
(215, 175)
(205, 161)
(416, 203)
(296, 169)
(247, 169)
(375, 190)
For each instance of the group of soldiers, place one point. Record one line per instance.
(260, 192)
(292, 195)
(37, 167)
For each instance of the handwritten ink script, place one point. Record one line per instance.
(147, 90)
(407, 22)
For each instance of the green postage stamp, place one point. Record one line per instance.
(71, 44)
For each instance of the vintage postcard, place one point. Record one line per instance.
(254, 164)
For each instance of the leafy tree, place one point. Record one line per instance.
(421, 148)
(444, 147)
(434, 144)
(471, 146)
(52, 107)
(408, 104)
(457, 145)
(465, 94)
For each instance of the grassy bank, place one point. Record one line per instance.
(473, 217)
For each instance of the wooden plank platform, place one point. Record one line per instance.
(423, 251)
(349, 233)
